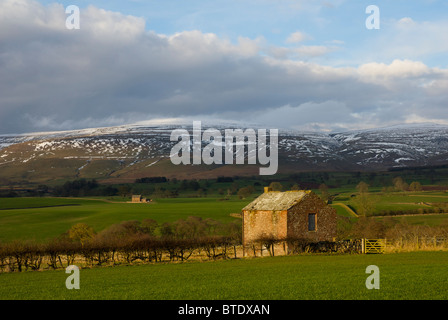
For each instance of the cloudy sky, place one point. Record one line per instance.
(304, 64)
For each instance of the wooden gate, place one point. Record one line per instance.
(373, 245)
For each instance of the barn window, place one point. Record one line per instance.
(311, 222)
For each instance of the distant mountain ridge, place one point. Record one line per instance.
(124, 153)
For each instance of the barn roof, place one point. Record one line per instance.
(275, 200)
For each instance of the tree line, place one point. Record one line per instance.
(393, 228)
(148, 241)
(128, 241)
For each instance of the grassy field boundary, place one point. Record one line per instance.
(347, 208)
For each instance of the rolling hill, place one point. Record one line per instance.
(124, 153)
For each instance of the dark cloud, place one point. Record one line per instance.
(112, 71)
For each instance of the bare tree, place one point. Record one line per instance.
(364, 204)
(362, 187)
(415, 186)
(324, 194)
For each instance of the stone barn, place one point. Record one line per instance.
(138, 199)
(287, 215)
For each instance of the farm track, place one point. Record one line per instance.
(347, 208)
(413, 203)
(93, 199)
(435, 196)
(411, 215)
(40, 207)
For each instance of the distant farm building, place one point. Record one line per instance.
(288, 215)
(139, 199)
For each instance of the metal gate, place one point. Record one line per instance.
(373, 245)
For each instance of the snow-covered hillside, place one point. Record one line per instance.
(144, 145)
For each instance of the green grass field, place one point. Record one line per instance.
(416, 275)
(396, 200)
(45, 218)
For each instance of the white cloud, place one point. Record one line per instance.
(383, 74)
(111, 26)
(410, 39)
(114, 71)
(406, 22)
(414, 118)
(313, 51)
(300, 53)
(307, 116)
(297, 37)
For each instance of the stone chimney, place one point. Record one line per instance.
(267, 189)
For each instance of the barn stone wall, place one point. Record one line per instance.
(257, 224)
(326, 220)
(290, 224)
